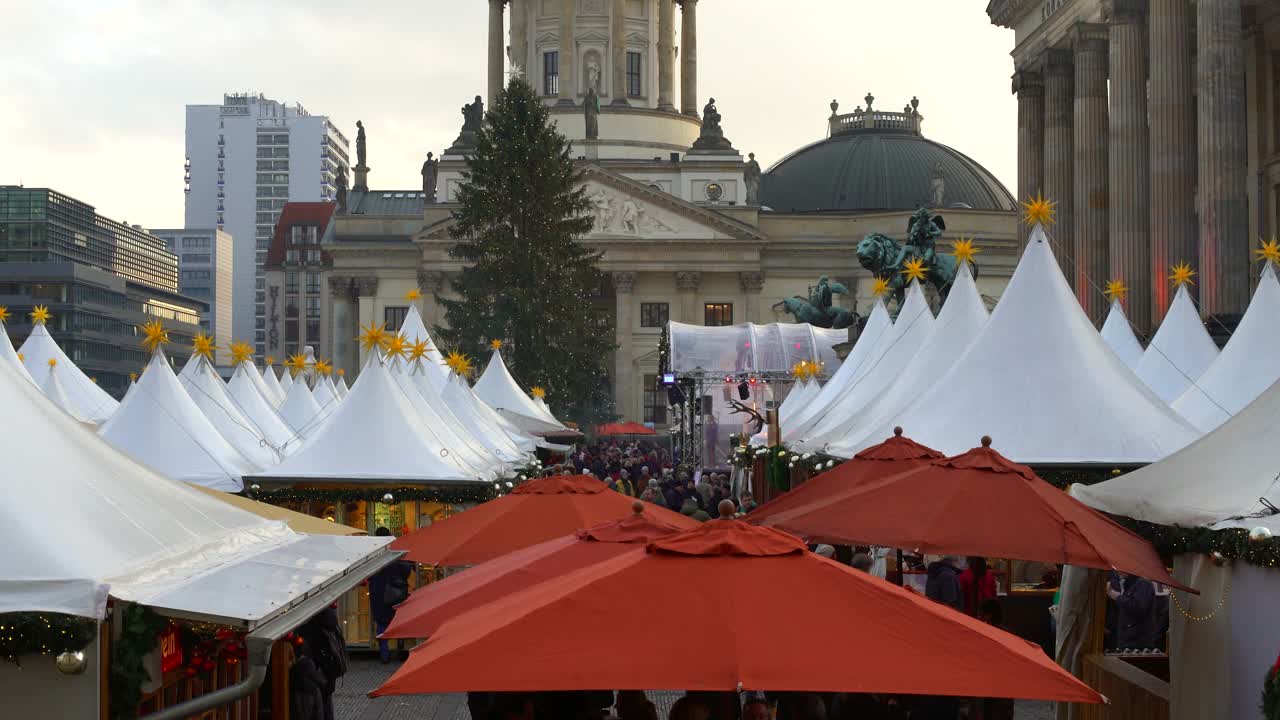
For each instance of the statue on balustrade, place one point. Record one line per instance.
(712, 139)
(885, 258)
(819, 308)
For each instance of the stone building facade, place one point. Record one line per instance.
(1155, 125)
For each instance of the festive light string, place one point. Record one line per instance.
(1222, 602)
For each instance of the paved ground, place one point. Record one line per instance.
(351, 701)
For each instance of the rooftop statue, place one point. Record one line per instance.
(818, 309)
(883, 256)
(360, 144)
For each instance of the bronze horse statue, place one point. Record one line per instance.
(885, 258)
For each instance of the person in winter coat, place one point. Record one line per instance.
(326, 648)
(387, 588)
(306, 687)
(943, 584)
(977, 585)
(1135, 618)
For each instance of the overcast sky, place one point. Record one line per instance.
(93, 91)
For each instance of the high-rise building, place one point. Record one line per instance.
(101, 280)
(246, 158)
(204, 272)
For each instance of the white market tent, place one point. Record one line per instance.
(414, 330)
(250, 399)
(438, 420)
(286, 382)
(53, 389)
(9, 356)
(1246, 367)
(497, 388)
(1118, 334)
(878, 325)
(1040, 380)
(275, 393)
(325, 395)
(962, 318)
(299, 410)
(800, 394)
(125, 531)
(1180, 351)
(341, 385)
(160, 426)
(92, 401)
(467, 407)
(374, 436)
(210, 394)
(882, 369)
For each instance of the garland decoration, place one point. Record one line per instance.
(448, 495)
(30, 633)
(1230, 544)
(139, 634)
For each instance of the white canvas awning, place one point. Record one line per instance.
(299, 409)
(474, 416)
(274, 392)
(439, 420)
(9, 356)
(414, 330)
(1180, 351)
(1118, 334)
(210, 394)
(879, 324)
(501, 391)
(252, 401)
(57, 394)
(91, 401)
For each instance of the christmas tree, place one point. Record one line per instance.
(528, 280)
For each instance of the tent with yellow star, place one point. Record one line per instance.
(1245, 368)
(286, 382)
(1180, 351)
(341, 384)
(880, 370)
(962, 318)
(878, 326)
(242, 354)
(275, 391)
(323, 392)
(53, 389)
(91, 401)
(299, 409)
(159, 425)
(1040, 380)
(414, 330)
(1116, 332)
(500, 391)
(9, 356)
(210, 394)
(251, 400)
(483, 422)
(440, 421)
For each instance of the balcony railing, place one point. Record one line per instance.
(907, 121)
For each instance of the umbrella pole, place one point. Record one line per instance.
(902, 572)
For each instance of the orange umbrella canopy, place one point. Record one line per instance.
(977, 503)
(845, 631)
(421, 615)
(624, 428)
(534, 512)
(895, 455)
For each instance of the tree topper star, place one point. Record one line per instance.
(154, 335)
(1038, 211)
(1182, 274)
(40, 315)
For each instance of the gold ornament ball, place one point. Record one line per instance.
(1218, 558)
(1259, 534)
(71, 663)
(388, 498)
(255, 487)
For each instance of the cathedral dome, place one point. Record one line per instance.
(875, 160)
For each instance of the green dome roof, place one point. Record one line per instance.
(874, 169)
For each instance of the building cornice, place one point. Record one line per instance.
(733, 228)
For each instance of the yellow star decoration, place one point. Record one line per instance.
(202, 346)
(396, 346)
(296, 363)
(459, 363)
(413, 295)
(538, 392)
(270, 361)
(880, 287)
(53, 362)
(800, 370)
(240, 352)
(963, 250)
(21, 356)
(40, 315)
(1117, 290)
(1182, 274)
(4, 314)
(418, 349)
(914, 269)
(324, 367)
(154, 335)
(495, 344)
(373, 335)
(1038, 211)
(133, 377)
(341, 372)
(1269, 251)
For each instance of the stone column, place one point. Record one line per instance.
(1059, 153)
(1089, 274)
(520, 37)
(666, 55)
(429, 283)
(496, 49)
(1173, 147)
(618, 43)
(364, 290)
(752, 283)
(567, 85)
(1224, 205)
(1029, 87)
(689, 57)
(624, 382)
(345, 326)
(1128, 210)
(687, 283)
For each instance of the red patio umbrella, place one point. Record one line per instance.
(977, 503)
(845, 631)
(421, 615)
(895, 455)
(534, 512)
(624, 428)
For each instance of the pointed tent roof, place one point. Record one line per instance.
(467, 407)
(10, 356)
(299, 410)
(881, 369)
(1040, 380)
(413, 329)
(210, 394)
(878, 325)
(254, 405)
(341, 385)
(93, 402)
(438, 420)
(325, 396)
(1246, 366)
(275, 392)
(53, 389)
(286, 382)
(374, 436)
(1180, 351)
(962, 318)
(159, 425)
(1218, 477)
(799, 395)
(1118, 334)
(497, 388)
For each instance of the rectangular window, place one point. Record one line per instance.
(291, 282)
(654, 314)
(195, 274)
(313, 330)
(633, 74)
(313, 307)
(550, 73)
(196, 258)
(313, 256)
(313, 282)
(717, 314)
(394, 316)
(655, 401)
